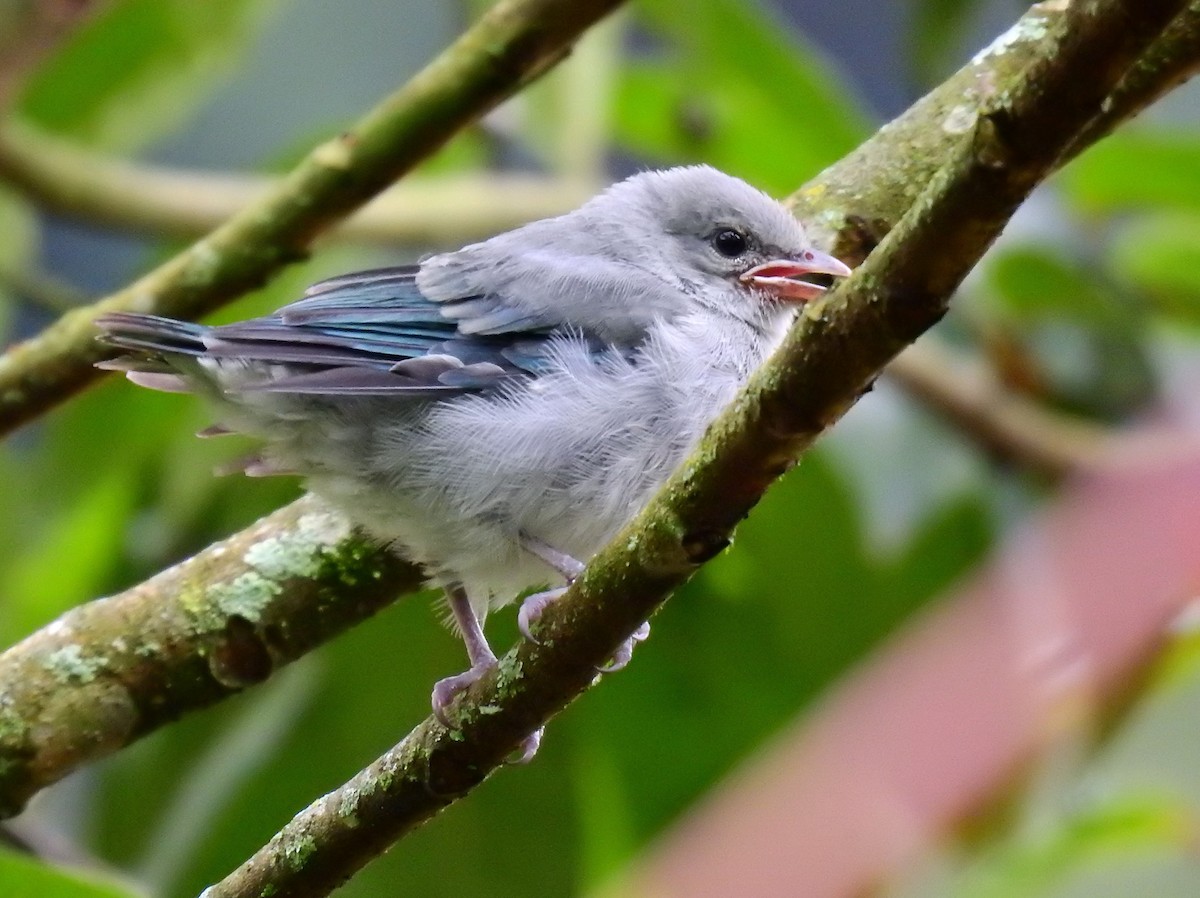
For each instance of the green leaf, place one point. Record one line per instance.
(67, 561)
(18, 233)
(1167, 167)
(1091, 340)
(734, 88)
(1160, 255)
(139, 67)
(937, 27)
(1040, 862)
(25, 877)
(1038, 284)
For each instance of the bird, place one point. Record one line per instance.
(497, 413)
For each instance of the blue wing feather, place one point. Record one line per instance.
(357, 335)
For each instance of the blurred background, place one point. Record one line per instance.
(1087, 312)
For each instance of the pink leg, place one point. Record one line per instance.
(482, 659)
(479, 653)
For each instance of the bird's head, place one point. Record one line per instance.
(731, 247)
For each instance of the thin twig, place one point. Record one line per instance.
(77, 182)
(514, 43)
(1008, 426)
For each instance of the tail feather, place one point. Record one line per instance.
(151, 333)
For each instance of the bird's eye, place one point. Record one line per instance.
(729, 243)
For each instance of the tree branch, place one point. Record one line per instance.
(825, 363)
(514, 42)
(1006, 425)
(112, 670)
(167, 202)
(858, 199)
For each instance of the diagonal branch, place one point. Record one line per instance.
(113, 670)
(826, 362)
(860, 198)
(514, 43)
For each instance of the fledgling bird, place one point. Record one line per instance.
(498, 413)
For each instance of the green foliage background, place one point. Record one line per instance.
(113, 486)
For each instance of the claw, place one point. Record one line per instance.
(624, 652)
(532, 608)
(446, 690)
(529, 747)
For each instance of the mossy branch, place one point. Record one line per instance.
(113, 670)
(514, 43)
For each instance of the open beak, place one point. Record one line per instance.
(783, 278)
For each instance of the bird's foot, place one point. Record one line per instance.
(624, 651)
(529, 747)
(532, 608)
(446, 690)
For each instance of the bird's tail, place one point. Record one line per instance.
(156, 349)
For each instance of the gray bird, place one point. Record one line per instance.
(500, 412)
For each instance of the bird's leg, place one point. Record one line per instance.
(570, 568)
(479, 653)
(534, 605)
(482, 660)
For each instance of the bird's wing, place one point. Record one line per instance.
(368, 333)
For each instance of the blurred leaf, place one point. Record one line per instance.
(138, 68)
(1041, 284)
(26, 877)
(607, 834)
(955, 536)
(18, 245)
(68, 559)
(1167, 167)
(937, 27)
(18, 232)
(1180, 663)
(1160, 255)
(735, 89)
(1041, 861)
(213, 782)
(1090, 342)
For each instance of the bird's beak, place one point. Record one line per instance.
(782, 278)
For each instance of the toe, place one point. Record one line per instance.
(624, 652)
(528, 748)
(620, 658)
(445, 691)
(532, 608)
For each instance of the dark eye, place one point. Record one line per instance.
(729, 243)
